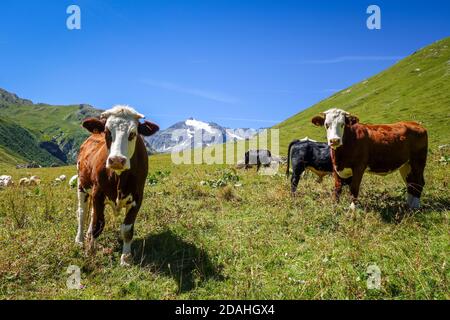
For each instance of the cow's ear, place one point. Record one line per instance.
(318, 121)
(94, 125)
(351, 119)
(148, 128)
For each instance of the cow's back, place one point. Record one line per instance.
(390, 146)
(314, 154)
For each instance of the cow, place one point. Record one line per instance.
(112, 169)
(6, 181)
(308, 154)
(258, 157)
(34, 181)
(279, 159)
(73, 181)
(379, 149)
(24, 182)
(240, 164)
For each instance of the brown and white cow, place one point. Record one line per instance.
(378, 149)
(112, 169)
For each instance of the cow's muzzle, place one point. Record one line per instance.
(117, 163)
(334, 143)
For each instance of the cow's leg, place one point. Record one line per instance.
(297, 170)
(97, 219)
(354, 186)
(127, 230)
(83, 207)
(415, 181)
(337, 187)
(404, 172)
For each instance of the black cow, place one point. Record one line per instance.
(258, 157)
(308, 154)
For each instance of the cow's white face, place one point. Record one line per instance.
(335, 124)
(120, 133)
(334, 121)
(120, 126)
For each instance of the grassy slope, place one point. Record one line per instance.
(417, 88)
(7, 158)
(253, 241)
(44, 122)
(42, 119)
(21, 145)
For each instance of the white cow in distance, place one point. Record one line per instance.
(6, 181)
(34, 181)
(73, 181)
(24, 182)
(60, 179)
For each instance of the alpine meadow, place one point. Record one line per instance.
(218, 232)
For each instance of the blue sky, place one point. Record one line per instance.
(239, 63)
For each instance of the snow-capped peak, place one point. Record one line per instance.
(198, 125)
(170, 139)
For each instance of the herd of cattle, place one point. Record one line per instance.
(7, 181)
(112, 163)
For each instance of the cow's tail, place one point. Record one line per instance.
(289, 156)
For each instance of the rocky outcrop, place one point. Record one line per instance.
(11, 98)
(53, 148)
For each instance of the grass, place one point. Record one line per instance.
(231, 241)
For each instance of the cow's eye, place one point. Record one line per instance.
(131, 136)
(327, 125)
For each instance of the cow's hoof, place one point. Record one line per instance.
(126, 259)
(79, 243)
(413, 202)
(352, 207)
(91, 247)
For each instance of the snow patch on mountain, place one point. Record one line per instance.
(193, 133)
(199, 125)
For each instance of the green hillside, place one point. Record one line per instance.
(7, 158)
(40, 133)
(416, 88)
(23, 145)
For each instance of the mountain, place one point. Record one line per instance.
(193, 133)
(40, 133)
(416, 88)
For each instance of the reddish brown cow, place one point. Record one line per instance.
(378, 149)
(112, 169)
